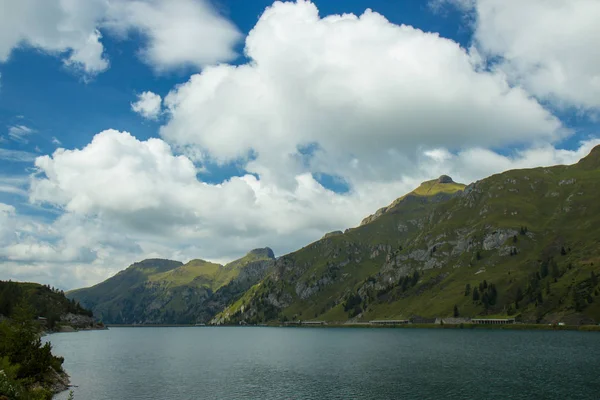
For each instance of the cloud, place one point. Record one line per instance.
(176, 33)
(14, 185)
(148, 105)
(56, 141)
(179, 32)
(19, 133)
(64, 28)
(476, 163)
(312, 81)
(16, 155)
(548, 47)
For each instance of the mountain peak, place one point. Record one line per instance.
(592, 160)
(264, 252)
(159, 264)
(445, 179)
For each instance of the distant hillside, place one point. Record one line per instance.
(524, 243)
(159, 291)
(44, 302)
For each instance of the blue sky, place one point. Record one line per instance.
(505, 103)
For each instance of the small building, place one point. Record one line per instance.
(389, 321)
(416, 319)
(313, 323)
(493, 321)
(452, 321)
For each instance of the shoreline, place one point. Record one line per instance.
(532, 327)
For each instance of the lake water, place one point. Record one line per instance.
(316, 363)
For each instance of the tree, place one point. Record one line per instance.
(467, 289)
(415, 278)
(578, 300)
(519, 295)
(544, 269)
(515, 239)
(485, 300)
(405, 283)
(475, 294)
(485, 284)
(478, 256)
(563, 252)
(455, 311)
(493, 294)
(554, 270)
(594, 279)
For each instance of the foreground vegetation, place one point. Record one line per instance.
(28, 370)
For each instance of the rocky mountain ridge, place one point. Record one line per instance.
(157, 291)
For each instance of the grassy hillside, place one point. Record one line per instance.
(523, 243)
(165, 291)
(43, 301)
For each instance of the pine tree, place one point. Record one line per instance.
(468, 289)
(493, 294)
(554, 269)
(415, 278)
(485, 300)
(594, 279)
(519, 295)
(455, 311)
(544, 269)
(475, 294)
(563, 252)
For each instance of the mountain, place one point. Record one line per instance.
(157, 291)
(524, 243)
(45, 302)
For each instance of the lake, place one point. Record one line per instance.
(317, 363)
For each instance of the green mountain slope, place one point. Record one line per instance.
(45, 302)
(524, 243)
(163, 291)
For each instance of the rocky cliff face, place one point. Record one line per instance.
(525, 241)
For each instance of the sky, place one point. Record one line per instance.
(182, 129)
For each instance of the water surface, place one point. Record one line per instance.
(317, 363)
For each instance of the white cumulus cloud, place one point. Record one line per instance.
(175, 33)
(548, 47)
(367, 93)
(179, 32)
(148, 105)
